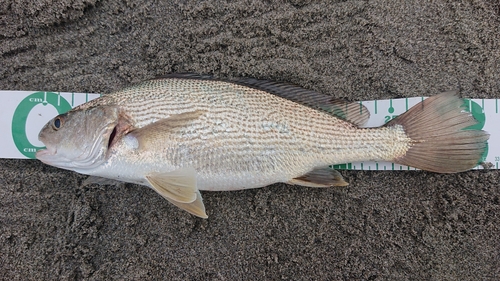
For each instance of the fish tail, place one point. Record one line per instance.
(441, 138)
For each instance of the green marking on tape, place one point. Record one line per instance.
(20, 118)
(339, 166)
(346, 166)
(478, 113)
(376, 107)
(391, 109)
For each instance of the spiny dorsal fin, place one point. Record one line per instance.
(355, 113)
(187, 75)
(320, 177)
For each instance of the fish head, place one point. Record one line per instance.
(79, 139)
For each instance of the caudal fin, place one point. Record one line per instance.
(440, 141)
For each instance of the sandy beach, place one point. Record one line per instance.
(409, 225)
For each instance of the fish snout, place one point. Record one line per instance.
(45, 154)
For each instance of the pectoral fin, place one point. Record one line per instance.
(178, 186)
(320, 177)
(153, 135)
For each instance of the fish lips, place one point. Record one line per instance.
(50, 157)
(44, 155)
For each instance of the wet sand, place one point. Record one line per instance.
(383, 226)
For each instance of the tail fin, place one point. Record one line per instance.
(440, 141)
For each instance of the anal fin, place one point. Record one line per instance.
(320, 177)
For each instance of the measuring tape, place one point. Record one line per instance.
(23, 114)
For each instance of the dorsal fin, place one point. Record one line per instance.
(355, 113)
(187, 75)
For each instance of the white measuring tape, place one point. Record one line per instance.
(23, 114)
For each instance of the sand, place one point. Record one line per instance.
(383, 226)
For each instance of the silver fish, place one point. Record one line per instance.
(184, 133)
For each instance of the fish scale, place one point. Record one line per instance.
(184, 133)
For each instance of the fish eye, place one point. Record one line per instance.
(57, 123)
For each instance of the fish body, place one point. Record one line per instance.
(185, 133)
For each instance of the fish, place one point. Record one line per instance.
(185, 133)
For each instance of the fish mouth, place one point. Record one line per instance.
(44, 154)
(50, 157)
